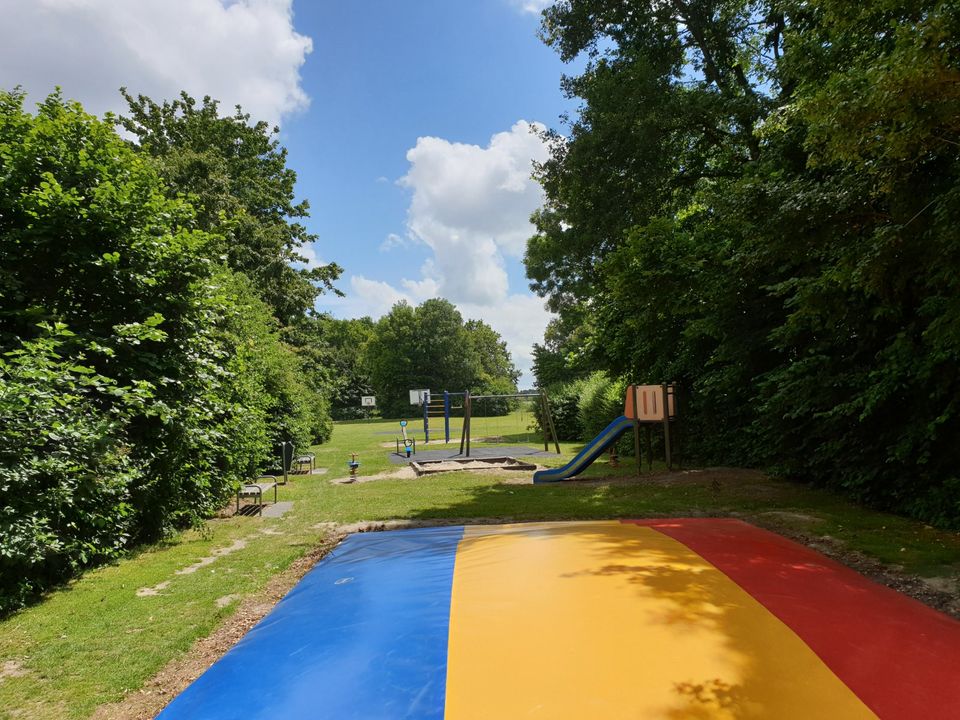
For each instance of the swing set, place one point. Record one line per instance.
(498, 419)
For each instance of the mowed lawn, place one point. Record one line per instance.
(109, 632)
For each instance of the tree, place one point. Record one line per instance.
(758, 200)
(566, 353)
(140, 380)
(334, 349)
(236, 175)
(497, 371)
(671, 96)
(431, 347)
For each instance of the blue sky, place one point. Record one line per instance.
(408, 123)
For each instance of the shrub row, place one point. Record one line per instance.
(140, 379)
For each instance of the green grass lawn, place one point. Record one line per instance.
(97, 639)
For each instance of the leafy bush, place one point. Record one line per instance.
(142, 379)
(565, 409)
(601, 402)
(65, 467)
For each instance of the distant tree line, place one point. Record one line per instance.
(156, 341)
(429, 346)
(761, 201)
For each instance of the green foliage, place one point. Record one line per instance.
(567, 352)
(759, 201)
(65, 470)
(430, 346)
(335, 349)
(565, 409)
(235, 174)
(143, 379)
(601, 402)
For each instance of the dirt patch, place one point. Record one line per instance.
(212, 557)
(404, 473)
(943, 584)
(12, 669)
(172, 679)
(153, 591)
(380, 525)
(792, 517)
(222, 602)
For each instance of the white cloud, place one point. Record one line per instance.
(471, 206)
(420, 290)
(372, 298)
(237, 51)
(395, 241)
(520, 320)
(309, 251)
(531, 6)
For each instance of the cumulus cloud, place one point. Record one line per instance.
(395, 241)
(531, 6)
(309, 252)
(372, 298)
(237, 51)
(471, 205)
(520, 320)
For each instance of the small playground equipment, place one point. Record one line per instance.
(409, 443)
(645, 406)
(353, 464)
(499, 410)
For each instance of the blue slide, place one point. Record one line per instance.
(590, 452)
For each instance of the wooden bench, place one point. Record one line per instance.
(257, 489)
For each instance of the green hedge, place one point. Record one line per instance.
(140, 380)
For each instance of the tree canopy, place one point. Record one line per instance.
(759, 200)
(235, 174)
(142, 378)
(431, 347)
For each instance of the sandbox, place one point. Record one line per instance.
(426, 467)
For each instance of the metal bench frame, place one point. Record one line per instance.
(305, 459)
(256, 489)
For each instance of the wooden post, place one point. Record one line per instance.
(426, 417)
(666, 427)
(468, 417)
(446, 415)
(464, 429)
(649, 433)
(549, 416)
(546, 426)
(676, 426)
(636, 431)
